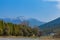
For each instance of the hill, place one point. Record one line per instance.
(52, 26)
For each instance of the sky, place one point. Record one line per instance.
(43, 10)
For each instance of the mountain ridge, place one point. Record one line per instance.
(32, 21)
(51, 26)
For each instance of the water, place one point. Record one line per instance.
(19, 39)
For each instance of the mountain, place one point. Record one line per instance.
(51, 26)
(18, 20)
(12, 20)
(34, 22)
(6, 19)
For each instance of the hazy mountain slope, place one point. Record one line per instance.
(13, 20)
(51, 26)
(32, 21)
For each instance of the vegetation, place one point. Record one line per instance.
(23, 29)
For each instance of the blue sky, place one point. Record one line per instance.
(43, 10)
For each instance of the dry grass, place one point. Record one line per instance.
(48, 38)
(41, 38)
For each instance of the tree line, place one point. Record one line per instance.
(22, 29)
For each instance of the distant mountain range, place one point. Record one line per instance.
(35, 22)
(32, 21)
(51, 26)
(13, 20)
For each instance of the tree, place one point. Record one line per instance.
(35, 31)
(6, 30)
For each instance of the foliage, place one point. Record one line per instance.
(23, 29)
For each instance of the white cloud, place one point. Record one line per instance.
(58, 2)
